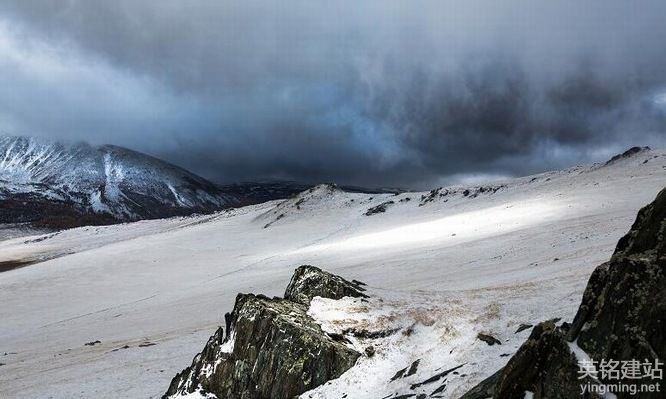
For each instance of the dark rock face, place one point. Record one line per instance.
(543, 365)
(190, 379)
(446, 193)
(623, 314)
(381, 208)
(622, 317)
(310, 281)
(272, 349)
(523, 327)
(489, 339)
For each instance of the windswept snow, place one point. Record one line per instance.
(443, 269)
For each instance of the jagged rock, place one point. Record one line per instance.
(543, 365)
(623, 313)
(407, 371)
(489, 339)
(381, 208)
(363, 333)
(435, 377)
(310, 281)
(622, 317)
(193, 377)
(399, 374)
(523, 327)
(439, 390)
(472, 192)
(413, 368)
(272, 349)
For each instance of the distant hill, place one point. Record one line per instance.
(57, 185)
(63, 185)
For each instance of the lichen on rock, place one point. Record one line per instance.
(272, 349)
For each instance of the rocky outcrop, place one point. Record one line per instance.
(272, 348)
(381, 208)
(451, 192)
(623, 313)
(310, 281)
(627, 154)
(544, 365)
(622, 317)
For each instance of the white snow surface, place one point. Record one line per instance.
(441, 273)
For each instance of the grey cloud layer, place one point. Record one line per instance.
(374, 93)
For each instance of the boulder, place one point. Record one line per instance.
(310, 281)
(489, 339)
(272, 349)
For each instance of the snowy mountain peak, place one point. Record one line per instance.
(107, 179)
(308, 202)
(321, 191)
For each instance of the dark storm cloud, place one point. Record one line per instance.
(373, 93)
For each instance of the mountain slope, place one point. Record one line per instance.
(620, 320)
(152, 292)
(42, 180)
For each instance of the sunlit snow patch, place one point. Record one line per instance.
(463, 226)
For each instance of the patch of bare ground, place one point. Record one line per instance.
(8, 265)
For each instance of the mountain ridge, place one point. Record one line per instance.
(52, 184)
(103, 184)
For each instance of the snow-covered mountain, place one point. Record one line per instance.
(441, 267)
(256, 192)
(39, 176)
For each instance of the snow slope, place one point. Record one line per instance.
(444, 265)
(106, 179)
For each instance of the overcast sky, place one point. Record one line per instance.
(375, 93)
